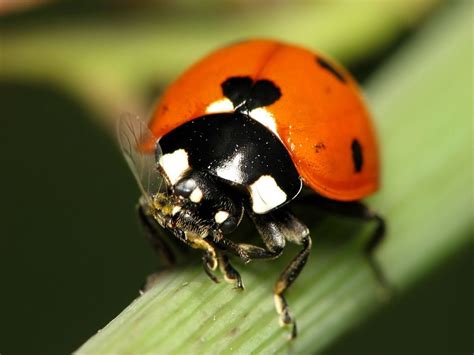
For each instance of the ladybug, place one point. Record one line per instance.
(240, 133)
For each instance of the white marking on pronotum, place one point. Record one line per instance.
(259, 114)
(196, 195)
(222, 105)
(266, 194)
(265, 117)
(221, 216)
(232, 169)
(175, 164)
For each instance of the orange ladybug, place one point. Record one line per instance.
(320, 117)
(240, 133)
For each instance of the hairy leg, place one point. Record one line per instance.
(230, 274)
(275, 229)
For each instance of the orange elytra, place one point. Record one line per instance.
(321, 117)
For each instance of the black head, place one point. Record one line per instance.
(202, 203)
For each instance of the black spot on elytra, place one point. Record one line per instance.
(319, 147)
(237, 89)
(247, 95)
(357, 157)
(329, 67)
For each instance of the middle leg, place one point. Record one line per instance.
(275, 229)
(295, 231)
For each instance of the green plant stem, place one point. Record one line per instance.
(422, 102)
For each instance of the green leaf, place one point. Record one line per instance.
(422, 104)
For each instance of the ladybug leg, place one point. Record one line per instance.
(230, 274)
(156, 236)
(209, 263)
(210, 259)
(270, 228)
(275, 229)
(296, 232)
(376, 238)
(248, 252)
(153, 229)
(286, 279)
(360, 211)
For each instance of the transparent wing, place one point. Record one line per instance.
(132, 132)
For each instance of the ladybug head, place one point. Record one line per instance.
(201, 204)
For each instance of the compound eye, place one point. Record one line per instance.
(227, 223)
(185, 187)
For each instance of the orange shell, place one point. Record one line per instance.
(318, 117)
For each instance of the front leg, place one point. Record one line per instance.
(271, 233)
(230, 274)
(209, 264)
(210, 259)
(248, 252)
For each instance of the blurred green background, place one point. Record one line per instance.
(71, 253)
